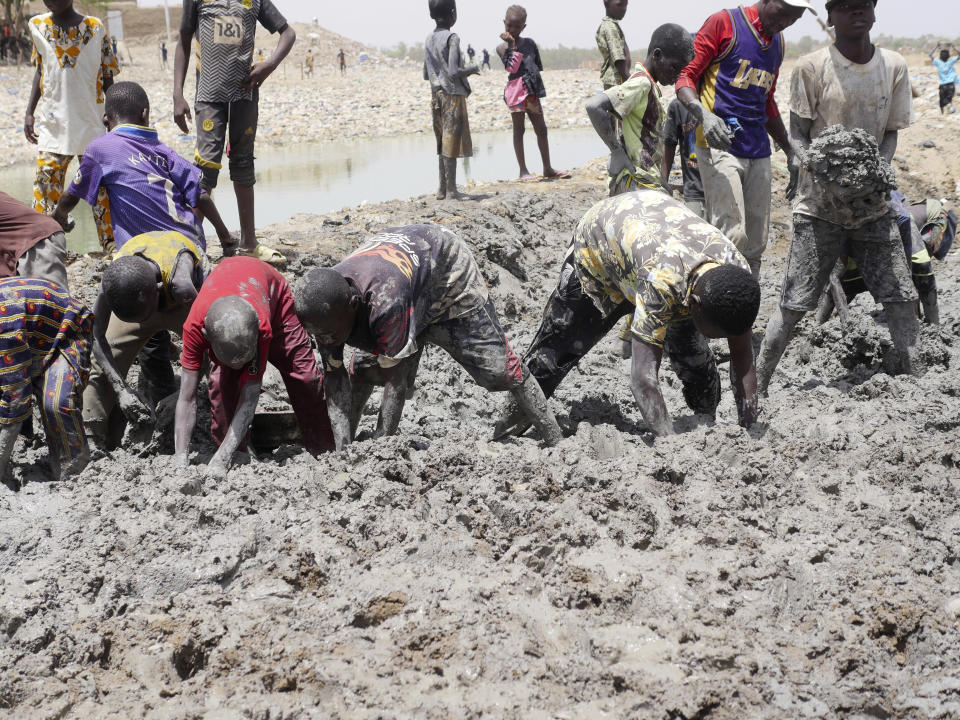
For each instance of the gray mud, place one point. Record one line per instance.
(809, 567)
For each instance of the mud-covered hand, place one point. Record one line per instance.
(215, 470)
(620, 161)
(229, 243)
(181, 113)
(257, 76)
(715, 131)
(134, 408)
(748, 410)
(181, 461)
(28, 129)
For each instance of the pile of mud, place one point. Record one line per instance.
(809, 567)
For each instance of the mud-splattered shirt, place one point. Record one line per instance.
(638, 104)
(648, 249)
(408, 278)
(257, 283)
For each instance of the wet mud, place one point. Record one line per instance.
(808, 567)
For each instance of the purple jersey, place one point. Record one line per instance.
(743, 78)
(150, 186)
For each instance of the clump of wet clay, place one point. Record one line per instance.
(851, 160)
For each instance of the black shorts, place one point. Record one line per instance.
(946, 94)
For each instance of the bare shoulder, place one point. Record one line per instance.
(501, 49)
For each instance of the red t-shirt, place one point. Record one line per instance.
(712, 41)
(257, 283)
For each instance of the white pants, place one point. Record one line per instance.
(738, 193)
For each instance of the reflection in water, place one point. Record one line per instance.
(322, 178)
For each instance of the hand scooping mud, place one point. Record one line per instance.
(136, 409)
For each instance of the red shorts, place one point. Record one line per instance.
(531, 104)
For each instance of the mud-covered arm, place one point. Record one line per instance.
(800, 130)
(132, 406)
(394, 397)
(744, 378)
(645, 383)
(455, 67)
(239, 426)
(339, 405)
(185, 416)
(888, 146)
(601, 113)
(181, 283)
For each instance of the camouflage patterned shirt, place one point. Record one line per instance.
(648, 249)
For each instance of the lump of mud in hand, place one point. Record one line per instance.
(851, 159)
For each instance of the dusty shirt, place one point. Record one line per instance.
(73, 64)
(639, 105)
(613, 48)
(442, 59)
(830, 90)
(225, 31)
(409, 278)
(647, 249)
(21, 227)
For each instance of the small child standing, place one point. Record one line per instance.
(613, 45)
(443, 67)
(75, 66)
(524, 89)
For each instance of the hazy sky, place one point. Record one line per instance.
(573, 22)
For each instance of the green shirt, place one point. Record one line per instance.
(639, 105)
(613, 48)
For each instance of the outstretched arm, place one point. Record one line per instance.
(185, 416)
(339, 405)
(239, 426)
(744, 378)
(208, 210)
(64, 207)
(130, 403)
(645, 383)
(394, 397)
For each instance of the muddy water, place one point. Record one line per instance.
(322, 178)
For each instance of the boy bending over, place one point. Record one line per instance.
(242, 317)
(645, 254)
(45, 347)
(401, 290)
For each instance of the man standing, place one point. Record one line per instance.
(729, 88)
(228, 87)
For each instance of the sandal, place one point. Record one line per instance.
(266, 254)
(558, 175)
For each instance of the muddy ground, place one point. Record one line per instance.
(809, 567)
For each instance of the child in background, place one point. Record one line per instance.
(524, 89)
(613, 45)
(947, 74)
(444, 68)
(75, 66)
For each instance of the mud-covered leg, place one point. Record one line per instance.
(8, 438)
(904, 329)
(775, 340)
(694, 363)
(530, 399)
(442, 189)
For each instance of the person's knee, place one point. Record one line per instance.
(242, 169)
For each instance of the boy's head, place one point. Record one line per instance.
(725, 302)
(126, 103)
(326, 305)
(130, 287)
(777, 15)
(515, 20)
(944, 54)
(231, 327)
(851, 18)
(616, 8)
(671, 50)
(443, 11)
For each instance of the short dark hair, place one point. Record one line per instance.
(673, 41)
(441, 9)
(126, 100)
(944, 54)
(519, 11)
(321, 291)
(730, 299)
(126, 283)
